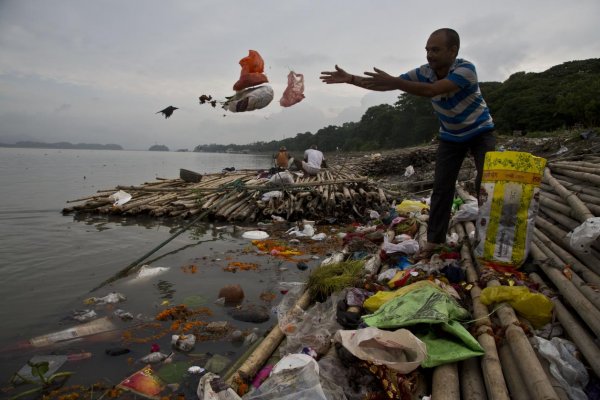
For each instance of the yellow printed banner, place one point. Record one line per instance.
(509, 199)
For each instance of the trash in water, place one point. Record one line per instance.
(89, 328)
(117, 351)
(25, 373)
(183, 342)
(124, 315)
(144, 382)
(147, 272)
(110, 298)
(119, 198)
(84, 315)
(155, 357)
(255, 235)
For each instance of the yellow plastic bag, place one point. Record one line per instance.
(535, 307)
(380, 298)
(509, 199)
(408, 206)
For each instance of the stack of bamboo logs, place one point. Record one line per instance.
(568, 197)
(237, 196)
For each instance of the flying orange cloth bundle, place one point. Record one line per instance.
(252, 71)
(294, 92)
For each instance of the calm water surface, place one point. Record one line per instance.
(49, 263)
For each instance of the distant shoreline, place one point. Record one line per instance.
(63, 145)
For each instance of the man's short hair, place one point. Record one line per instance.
(314, 146)
(452, 38)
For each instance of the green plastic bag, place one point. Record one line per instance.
(433, 316)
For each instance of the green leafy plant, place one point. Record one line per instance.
(45, 383)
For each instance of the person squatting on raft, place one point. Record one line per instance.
(465, 121)
(283, 159)
(313, 161)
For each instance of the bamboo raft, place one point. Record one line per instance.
(237, 196)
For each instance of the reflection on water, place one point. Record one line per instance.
(166, 289)
(102, 222)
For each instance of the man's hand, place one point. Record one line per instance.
(337, 76)
(379, 80)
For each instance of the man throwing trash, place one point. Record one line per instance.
(465, 121)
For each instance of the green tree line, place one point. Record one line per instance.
(563, 96)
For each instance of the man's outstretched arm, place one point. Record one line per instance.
(382, 81)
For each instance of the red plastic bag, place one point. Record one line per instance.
(252, 71)
(294, 92)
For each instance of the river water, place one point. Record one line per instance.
(50, 262)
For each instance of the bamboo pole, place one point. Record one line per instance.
(445, 382)
(577, 188)
(582, 212)
(593, 208)
(562, 219)
(554, 260)
(514, 380)
(585, 309)
(538, 383)
(256, 360)
(490, 361)
(471, 381)
(559, 236)
(588, 275)
(577, 333)
(583, 176)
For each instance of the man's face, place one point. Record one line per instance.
(439, 55)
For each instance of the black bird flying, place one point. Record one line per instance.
(167, 112)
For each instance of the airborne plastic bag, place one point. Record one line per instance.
(509, 198)
(294, 92)
(253, 98)
(252, 71)
(535, 307)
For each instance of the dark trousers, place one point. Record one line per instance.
(450, 157)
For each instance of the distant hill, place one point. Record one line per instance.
(158, 147)
(63, 145)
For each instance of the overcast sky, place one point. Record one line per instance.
(98, 71)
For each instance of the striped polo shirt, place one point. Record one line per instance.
(462, 114)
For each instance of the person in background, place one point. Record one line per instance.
(465, 121)
(283, 159)
(313, 161)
